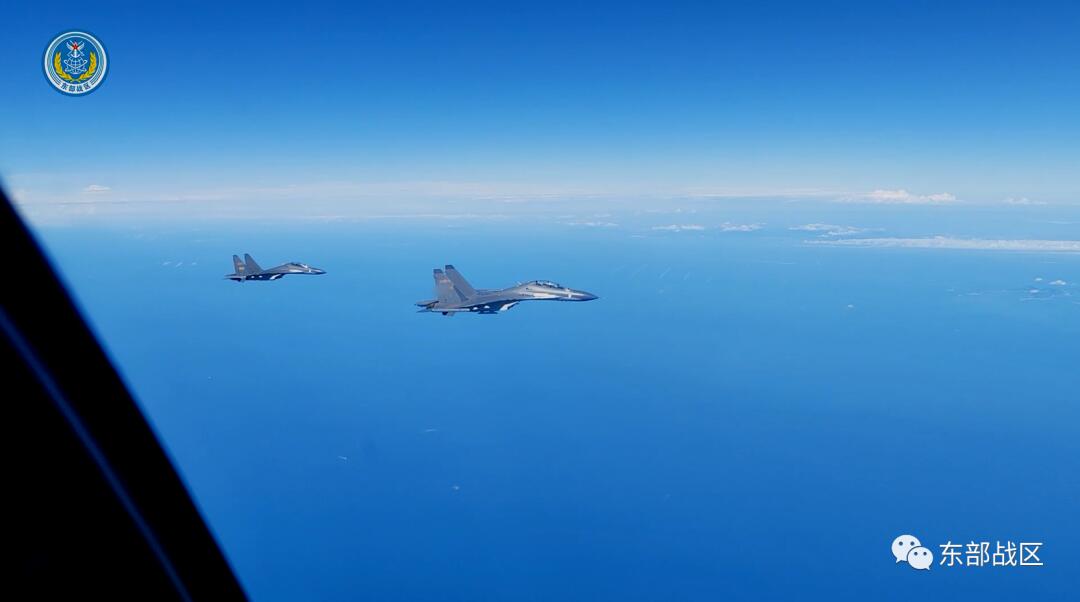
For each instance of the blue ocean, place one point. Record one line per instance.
(748, 411)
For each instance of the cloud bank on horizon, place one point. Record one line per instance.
(680, 228)
(901, 197)
(945, 242)
(831, 229)
(343, 198)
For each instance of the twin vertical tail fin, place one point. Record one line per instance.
(459, 282)
(238, 266)
(249, 264)
(444, 289)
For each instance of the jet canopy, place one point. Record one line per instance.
(547, 283)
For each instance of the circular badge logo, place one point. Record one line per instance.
(75, 63)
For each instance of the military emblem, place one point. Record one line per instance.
(75, 63)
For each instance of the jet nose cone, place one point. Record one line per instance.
(583, 296)
(317, 271)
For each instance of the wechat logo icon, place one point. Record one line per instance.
(908, 548)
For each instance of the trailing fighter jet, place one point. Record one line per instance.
(249, 270)
(455, 295)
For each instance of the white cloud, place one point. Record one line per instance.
(680, 227)
(407, 216)
(1023, 201)
(944, 242)
(724, 227)
(815, 228)
(1058, 282)
(730, 227)
(900, 197)
(829, 229)
(940, 197)
(96, 189)
(593, 224)
(749, 193)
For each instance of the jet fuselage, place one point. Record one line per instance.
(455, 295)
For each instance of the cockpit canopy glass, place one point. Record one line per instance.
(547, 283)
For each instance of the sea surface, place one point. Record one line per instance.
(742, 414)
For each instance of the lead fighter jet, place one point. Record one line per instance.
(455, 295)
(249, 270)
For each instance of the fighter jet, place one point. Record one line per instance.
(249, 270)
(455, 295)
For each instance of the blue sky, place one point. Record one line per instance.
(379, 102)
